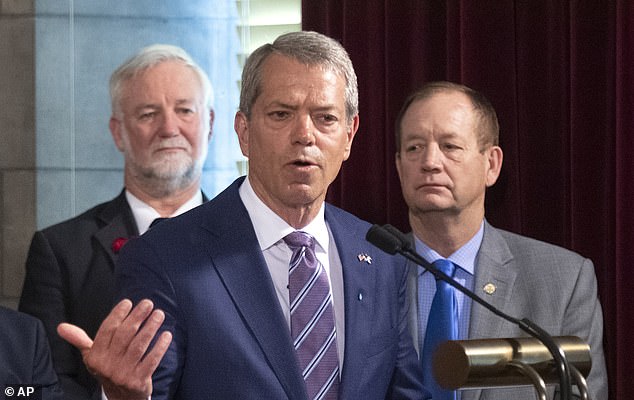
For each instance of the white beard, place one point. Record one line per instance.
(165, 173)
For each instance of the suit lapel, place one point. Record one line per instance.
(495, 266)
(248, 282)
(118, 223)
(412, 299)
(412, 296)
(359, 287)
(497, 269)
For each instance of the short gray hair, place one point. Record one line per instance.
(149, 57)
(310, 48)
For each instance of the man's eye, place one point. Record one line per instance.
(414, 148)
(279, 115)
(451, 146)
(327, 118)
(147, 115)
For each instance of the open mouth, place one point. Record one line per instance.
(300, 163)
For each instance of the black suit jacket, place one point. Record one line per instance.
(70, 278)
(25, 357)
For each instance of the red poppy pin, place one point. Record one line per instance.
(118, 244)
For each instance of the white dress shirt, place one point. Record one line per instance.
(270, 229)
(144, 214)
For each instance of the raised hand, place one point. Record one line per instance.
(117, 356)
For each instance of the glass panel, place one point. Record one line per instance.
(78, 43)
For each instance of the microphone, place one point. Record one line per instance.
(384, 240)
(392, 241)
(404, 240)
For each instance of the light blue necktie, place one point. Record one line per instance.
(442, 325)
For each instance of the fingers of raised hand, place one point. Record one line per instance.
(110, 325)
(152, 359)
(137, 347)
(136, 383)
(117, 355)
(127, 330)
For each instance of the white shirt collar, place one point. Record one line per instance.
(270, 228)
(144, 214)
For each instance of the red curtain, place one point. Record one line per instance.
(559, 73)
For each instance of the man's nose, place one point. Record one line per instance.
(304, 130)
(430, 157)
(169, 125)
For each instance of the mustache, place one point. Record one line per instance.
(170, 143)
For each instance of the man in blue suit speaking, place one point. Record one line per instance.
(219, 275)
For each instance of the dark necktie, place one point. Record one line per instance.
(442, 325)
(312, 318)
(157, 221)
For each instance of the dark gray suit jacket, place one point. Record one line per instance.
(70, 278)
(549, 285)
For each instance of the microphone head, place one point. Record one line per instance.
(383, 239)
(405, 241)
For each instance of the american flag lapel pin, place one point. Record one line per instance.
(364, 257)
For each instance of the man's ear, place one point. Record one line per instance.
(241, 126)
(352, 131)
(116, 130)
(494, 164)
(212, 116)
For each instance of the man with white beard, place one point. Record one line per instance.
(161, 121)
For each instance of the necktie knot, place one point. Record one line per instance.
(157, 221)
(298, 239)
(445, 266)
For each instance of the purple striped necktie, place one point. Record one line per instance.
(312, 318)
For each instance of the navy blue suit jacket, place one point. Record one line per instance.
(231, 341)
(25, 357)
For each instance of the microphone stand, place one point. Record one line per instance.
(392, 241)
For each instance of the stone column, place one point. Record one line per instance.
(17, 143)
